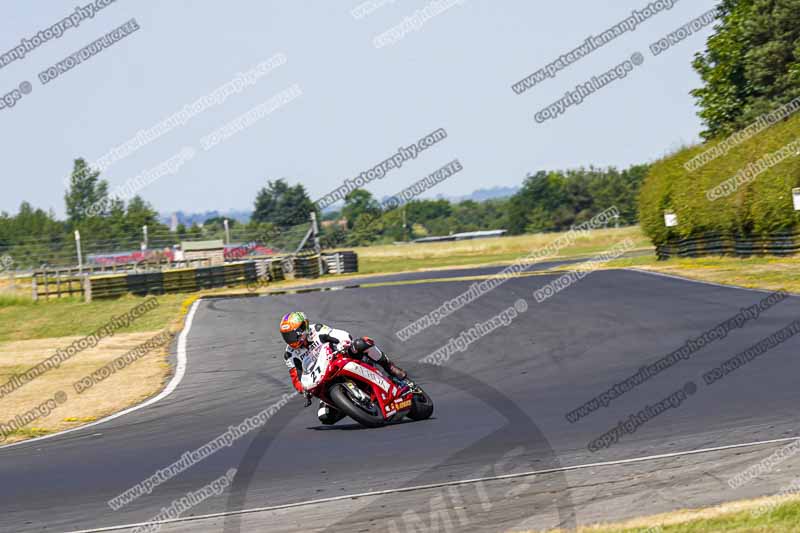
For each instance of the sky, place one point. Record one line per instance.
(356, 97)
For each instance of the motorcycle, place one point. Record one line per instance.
(359, 390)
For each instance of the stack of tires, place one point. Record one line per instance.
(341, 262)
(275, 270)
(307, 266)
(349, 262)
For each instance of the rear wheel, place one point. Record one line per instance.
(371, 418)
(421, 406)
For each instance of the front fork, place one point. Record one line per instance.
(357, 394)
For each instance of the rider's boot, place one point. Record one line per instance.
(392, 369)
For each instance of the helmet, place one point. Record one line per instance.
(294, 328)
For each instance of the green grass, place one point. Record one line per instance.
(23, 319)
(10, 300)
(784, 518)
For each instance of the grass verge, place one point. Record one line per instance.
(776, 514)
(484, 252)
(121, 389)
(770, 273)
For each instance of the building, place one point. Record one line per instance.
(214, 251)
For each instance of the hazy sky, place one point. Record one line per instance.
(359, 102)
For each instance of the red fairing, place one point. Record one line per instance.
(390, 399)
(296, 380)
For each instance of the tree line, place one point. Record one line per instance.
(547, 201)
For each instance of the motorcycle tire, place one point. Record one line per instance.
(421, 406)
(343, 402)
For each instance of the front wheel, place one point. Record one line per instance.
(421, 406)
(369, 418)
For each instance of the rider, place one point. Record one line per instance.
(301, 336)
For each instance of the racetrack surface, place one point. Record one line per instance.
(500, 409)
(438, 274)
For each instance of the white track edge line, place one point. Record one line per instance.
(180, 371)
(713, 284)
(443, 484)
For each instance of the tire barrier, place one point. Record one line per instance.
(193, 279)
(730, 244)
(307, 266)
(170, 281)
(340, 262)
(276, 270)
(273, 269)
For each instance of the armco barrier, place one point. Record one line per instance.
(729, 244)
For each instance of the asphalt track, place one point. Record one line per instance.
(500, 409)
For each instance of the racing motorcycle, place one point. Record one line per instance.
(359, 390)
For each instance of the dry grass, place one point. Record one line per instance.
(481, 252)
(770, 273)
(138, 381)
(12, 280)
(122, 389)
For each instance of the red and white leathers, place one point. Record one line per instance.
(294, 356)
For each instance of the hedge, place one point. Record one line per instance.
(761, 207)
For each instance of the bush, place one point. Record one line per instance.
(761, 207)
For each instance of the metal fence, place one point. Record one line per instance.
(65, 249)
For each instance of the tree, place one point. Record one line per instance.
(217, 222)
(541, 204)
(31, 236)
(195, 233)
(751, 64)
(282, 205)
(86, 191)
(333, 236)
(181, 231)
(359, 202)
(366, 230)
(423, 211)
(555, 201)
(140, 213)
(332, 215)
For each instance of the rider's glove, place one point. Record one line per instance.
(308, 398)
(328, 339)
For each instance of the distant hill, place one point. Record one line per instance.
(485, 194)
